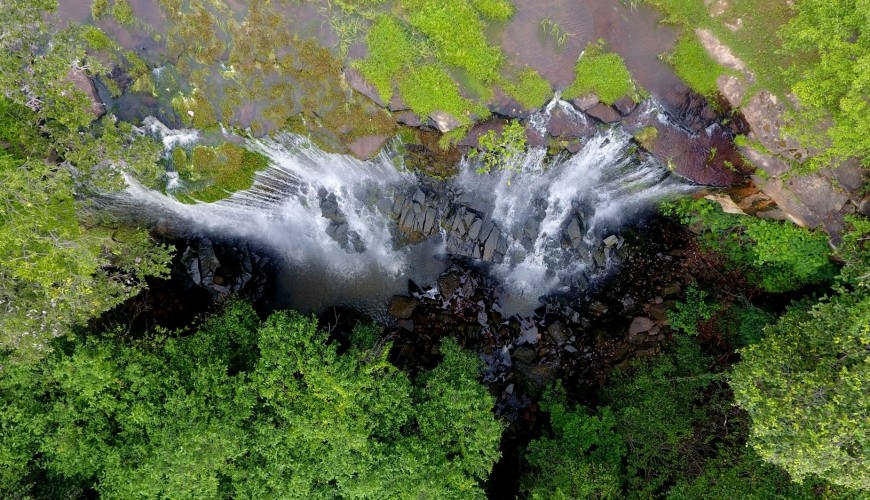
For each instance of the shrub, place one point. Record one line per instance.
(501, 150)
(778, 256)
(686, 315)
(581, 458)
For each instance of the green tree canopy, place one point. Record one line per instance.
(833, 89)
(245, 409)
(806, 387)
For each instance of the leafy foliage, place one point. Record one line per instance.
(805, 387)
(602, 73)
(835, 86)
(583, 457)
(654, 405)
(686, 315)
(244, 408)
(778, 256)
(501, 150)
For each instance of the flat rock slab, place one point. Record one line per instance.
(366, 148)
(357, 82)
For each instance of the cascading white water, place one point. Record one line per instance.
(334, 218)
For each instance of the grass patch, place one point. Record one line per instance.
(390, 51)
(429, 88)
(602, 73)
(216, 172)
(99, 8)
(695, 67)
(456, 31)
(122, 11)
(530, 89)
(495, 10)
(195, 111)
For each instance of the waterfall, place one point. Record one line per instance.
(355, 231)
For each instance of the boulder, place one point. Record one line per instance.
(640, 324)
(402, 306)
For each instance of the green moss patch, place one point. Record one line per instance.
(530, 89)
(390, 51)
(695, 67)
(602, 73)
(213, 173)
(496, 10)
(430, 88)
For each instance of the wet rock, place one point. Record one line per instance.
(586, 102)
(444, 121)
(671, 289)
(535, 378)
(402, 307)
(571, 349)
(604, 113)
(558, 333)
(611, 240)
(473, 136)
(566, 123)
(625, 105)
(366, 148)
(640, 324)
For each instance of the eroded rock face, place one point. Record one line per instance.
(819, 199)
(224, 269)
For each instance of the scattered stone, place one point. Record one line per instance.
(570, 348)
(557, 332)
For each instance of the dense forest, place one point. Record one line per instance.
(758, 388)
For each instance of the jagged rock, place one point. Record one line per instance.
(611, 240)
(402, 307)
(408, 118)
(397, 104)
(625, 105)
(444, 121)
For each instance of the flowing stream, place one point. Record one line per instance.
(353, 232)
